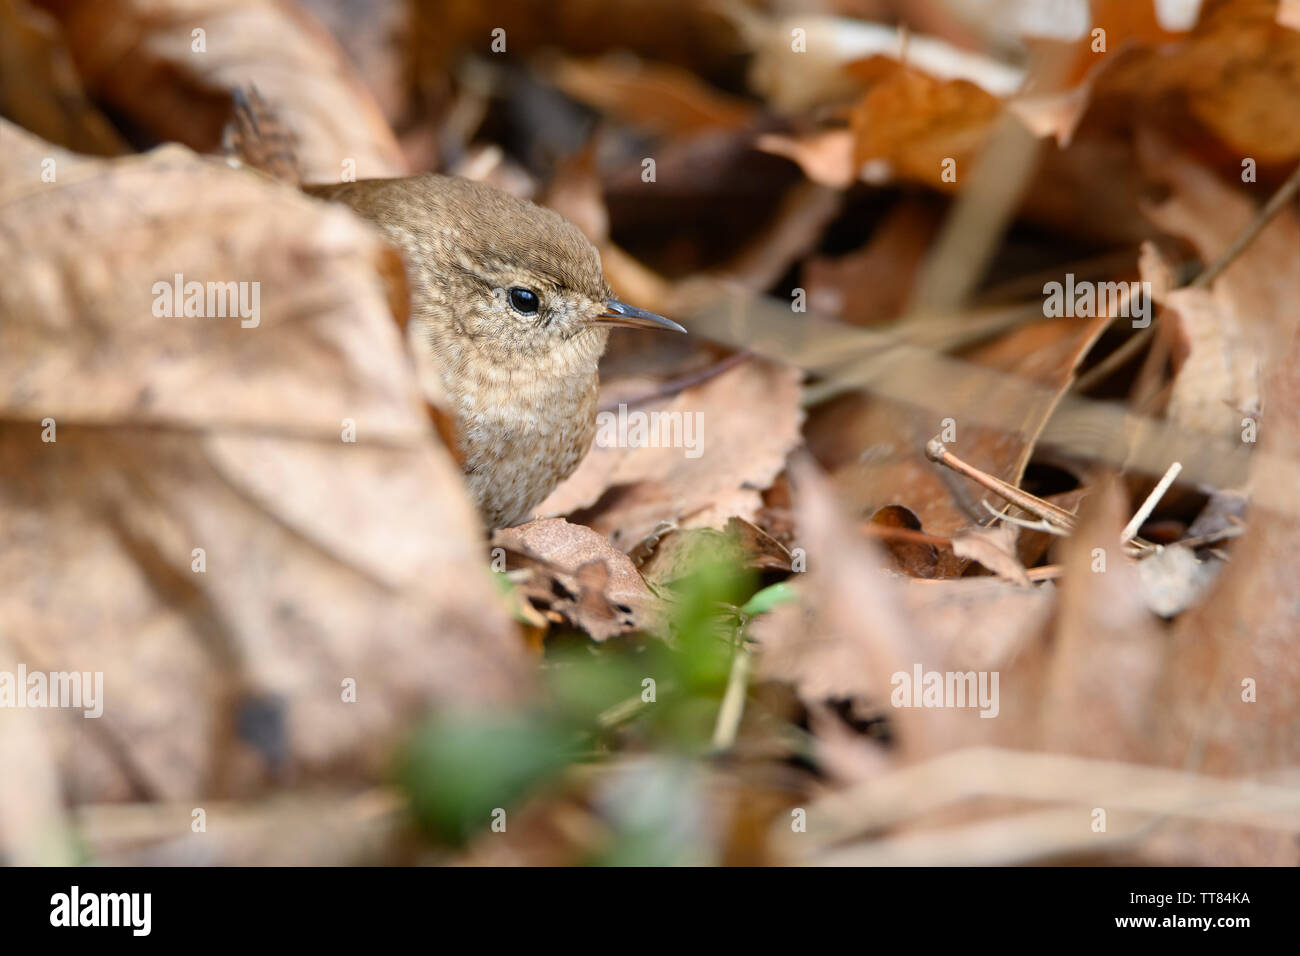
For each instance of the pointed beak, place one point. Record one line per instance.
(620, 313)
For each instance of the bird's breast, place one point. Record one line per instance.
(521, 434)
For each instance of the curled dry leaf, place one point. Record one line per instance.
(578, 574)
(759, 549)
(1226, 333)
(734, 433)
(141, 57)
(183, 511)
(918, 558)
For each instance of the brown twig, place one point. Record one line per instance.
(935, 451)
(1057, 519)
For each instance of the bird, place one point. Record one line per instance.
(511, 303)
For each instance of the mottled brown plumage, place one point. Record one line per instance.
(523, 385)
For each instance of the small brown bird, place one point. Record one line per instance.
(512, 303)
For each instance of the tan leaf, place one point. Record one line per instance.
(140, 56)
(1226, 333)
(908, 125)
(39, 87)
(743, 422)
(579, 574)
(657, 97)
(995, 548)
(323, 560)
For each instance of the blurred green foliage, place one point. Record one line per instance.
(657, 696)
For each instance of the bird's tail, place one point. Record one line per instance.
(257, 136)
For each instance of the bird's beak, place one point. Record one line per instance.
(620, 313)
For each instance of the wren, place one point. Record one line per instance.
(511, 302)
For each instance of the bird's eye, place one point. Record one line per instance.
(523, 300)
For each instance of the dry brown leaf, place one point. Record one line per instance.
(1245, 629)
(1128, 26)
(659, 98)
(748, 420)
(848, 634)
(995, 548)
(323, 560)
(683, 32)
(875, 446)
(919, 559)
(1226, 333)
(1237, 73)
(759, 549)
(826, 156)
(1226, 703)
(39, 87)
(1106, 652)
(875, 283)
(908, 125)
(981, 623)
(376, 36)
(577, 573)
(140, 57)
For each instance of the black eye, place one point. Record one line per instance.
(523, 300)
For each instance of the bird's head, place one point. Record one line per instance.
(520, 282)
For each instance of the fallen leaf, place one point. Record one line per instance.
(577, 573)
(995, 548)
(1225, 333)
(744, 423)
(826, 156)
(916, 558)
(143, 58)
(196, 523)
(659, 98)
(914, 127)
(40, 89)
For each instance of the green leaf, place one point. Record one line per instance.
(769, 598)
(459, 769)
